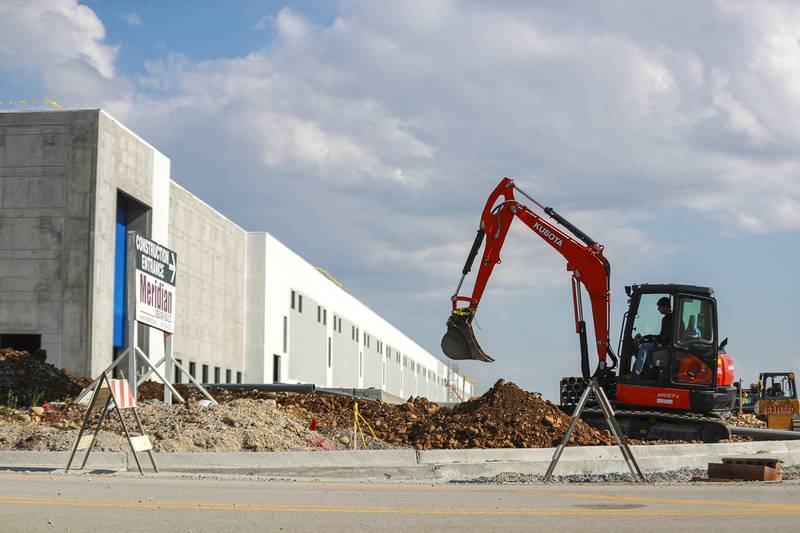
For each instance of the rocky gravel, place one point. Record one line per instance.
(506, 416)
(683, 475)
(745, 420)
(238, 425)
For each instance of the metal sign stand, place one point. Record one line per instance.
(613, 426)
(104, 393)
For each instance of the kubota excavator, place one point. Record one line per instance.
(680, 390)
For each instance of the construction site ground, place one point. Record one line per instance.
(38, 415)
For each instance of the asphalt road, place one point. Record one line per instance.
(126, 502)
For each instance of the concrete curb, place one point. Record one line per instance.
(27, 460)
(433, 465)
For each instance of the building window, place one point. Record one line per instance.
(352, 333)
(205, 373)
(216, 374)
(192, 369)
(329, 352)
(324, 317)
(238, 377)
(285, 333)
(340, 325)
(228, 375)
(293, 295)
(276, 368)
(177, 371)
(319, 314)
(299, 303)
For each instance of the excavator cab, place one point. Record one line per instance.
(674, 360)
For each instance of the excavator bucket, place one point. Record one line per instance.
(459, 342)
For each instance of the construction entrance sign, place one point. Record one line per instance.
(154, 283)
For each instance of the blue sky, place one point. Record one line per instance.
(367, 135)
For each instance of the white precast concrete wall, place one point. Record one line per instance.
(365, 350)
(210, 285)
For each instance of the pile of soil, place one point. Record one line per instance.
(504, 417)
(26, 379)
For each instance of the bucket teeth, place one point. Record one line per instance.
(459, 342)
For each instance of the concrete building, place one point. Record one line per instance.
(248, 309)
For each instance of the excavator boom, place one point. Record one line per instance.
(584, 258)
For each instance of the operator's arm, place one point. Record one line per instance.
(666, 326)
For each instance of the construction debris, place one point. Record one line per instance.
(504, 417)
(26, 379)
(238, 425)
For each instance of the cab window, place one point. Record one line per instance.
(696, 322)
(648, 319)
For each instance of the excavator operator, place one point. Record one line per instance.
(649, 342)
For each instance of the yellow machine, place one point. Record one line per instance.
(777, 404)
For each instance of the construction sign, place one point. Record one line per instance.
(154, 283)
(104, 390)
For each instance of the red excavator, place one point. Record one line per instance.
(674, 379)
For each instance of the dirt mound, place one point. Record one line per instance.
(504, 417)
(26, 379)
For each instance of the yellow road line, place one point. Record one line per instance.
(356, 509)
(680, 501)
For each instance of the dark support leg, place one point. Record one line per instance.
(96, 431)
(83, 426)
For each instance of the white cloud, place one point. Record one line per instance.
(739, 118)
(61, 43)
(38, 35)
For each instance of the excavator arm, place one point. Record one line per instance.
(585, 262)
